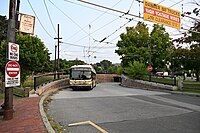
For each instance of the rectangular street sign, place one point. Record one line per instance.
(12, 74)
(13, 51)
(27, 23)
(162, 15)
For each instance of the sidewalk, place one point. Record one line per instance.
(26, 118)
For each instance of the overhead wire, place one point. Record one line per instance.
(92, 20)
(39, 20)
(68, 17)
(176, 3)
(109, 36)
(76, 45)
(89, 7)
(130, 6)
(98, 30)
(122, 12)
(49, 16)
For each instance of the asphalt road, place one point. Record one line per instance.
(117, 109)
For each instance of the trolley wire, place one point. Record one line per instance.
(39, 20)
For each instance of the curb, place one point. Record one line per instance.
(185, 93)
(43, 115)
(41, 108)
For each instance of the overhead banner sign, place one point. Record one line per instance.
(13, 51)
(27, 23)
(160, 14)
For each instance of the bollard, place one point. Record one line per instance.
(180, 84)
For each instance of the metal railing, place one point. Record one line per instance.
(43, 79)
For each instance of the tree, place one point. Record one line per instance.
(134, 44)
(190, 56)
(3, 27)
(137, 44)
(160, 45)
(65, 65)
(34, 56)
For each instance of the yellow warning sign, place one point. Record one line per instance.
(161, 14)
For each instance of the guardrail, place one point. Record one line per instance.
(42, 79)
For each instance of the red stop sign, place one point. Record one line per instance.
(150, 68)
(12, 69)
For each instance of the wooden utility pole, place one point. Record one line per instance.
(58, 52)
(8, 100)
(55, 64)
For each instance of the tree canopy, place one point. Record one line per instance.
(137, 44)
(189, 57)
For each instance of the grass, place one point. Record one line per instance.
(168, 81)
(1, 96)
(56, 126)
(44, 79)
(189, 90)
(19, 92)
(188, 85)
(29, 82)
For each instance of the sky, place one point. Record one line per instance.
(83, 26)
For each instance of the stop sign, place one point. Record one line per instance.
(150, 68)
(12, 69)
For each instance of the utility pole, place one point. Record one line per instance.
(149, 46)
(8, 100)
(55, 66)
(58, 51)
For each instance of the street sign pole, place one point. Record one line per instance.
(8, 100)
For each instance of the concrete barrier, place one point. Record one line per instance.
(145, 84)
(52, 85)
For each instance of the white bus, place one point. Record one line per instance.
(82, 77)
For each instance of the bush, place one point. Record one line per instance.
(136, 70)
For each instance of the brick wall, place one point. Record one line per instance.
(106, 77)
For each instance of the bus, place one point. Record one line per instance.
(82, 77)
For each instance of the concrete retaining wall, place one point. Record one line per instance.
(52, 85)
(144, 84)
(65, 83)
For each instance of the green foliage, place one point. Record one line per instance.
(105, 66)
(189, 57)
(65, 65)
(34, 56)
(119, 70)
(3, 27)
(133, 44)
(137, 44)
(2, 57)
(136, 70)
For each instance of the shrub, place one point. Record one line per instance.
(136, 70)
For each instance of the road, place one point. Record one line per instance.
(117, 109)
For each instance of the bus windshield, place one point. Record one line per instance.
(81, 74)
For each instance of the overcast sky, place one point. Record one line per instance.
(83, 26)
